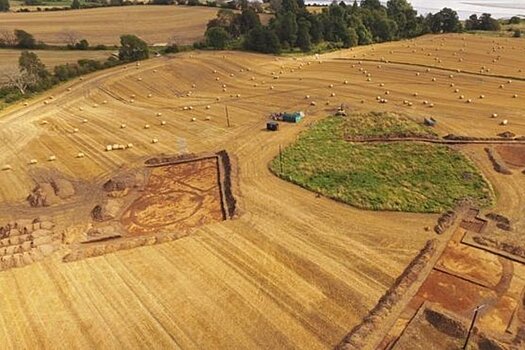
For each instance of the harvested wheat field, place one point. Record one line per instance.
(288, 269)
(9, 58)
(154, 24)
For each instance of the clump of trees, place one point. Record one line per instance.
(4, 5)
(338, 25)
(132, 48)
(484, 22)
(32, 75)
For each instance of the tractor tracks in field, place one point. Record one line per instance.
(450, 70)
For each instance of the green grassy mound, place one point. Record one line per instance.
(411, 177)
(384, 124)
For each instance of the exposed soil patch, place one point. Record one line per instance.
(513, 155)
(49, 193)
(497, 162)
(164, 200)
(176, 198)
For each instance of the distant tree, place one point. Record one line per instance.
(163, 2)
(34, 71)
(247, 20)
(472, 23)
(353, 38)
(517, 33)
(70, 37)
(18, 80)
(286, 27)
(75, 4)
(364, 35)
(450, 18)
(116, 2)
(371, 4)
(304, 41)
(514, 20)
(444, 21)
(4, 5)
(488, 23)
(32, 2)
(82, 45)
(405, 17)
(262, 39)
(316, 30)
(217, 38)
(24, 40)
(132, 48)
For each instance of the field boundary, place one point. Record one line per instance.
(435, 141)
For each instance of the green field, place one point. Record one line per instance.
(408, 176)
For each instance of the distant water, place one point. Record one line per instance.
(464, 8)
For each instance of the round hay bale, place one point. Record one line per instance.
(313, 103)
(163, 122)
(515, 96)
(415, 94)
(494, 115)
(109, 148)
(461, 97)
(6, 167)
(33, 161)
(84, 121)
(75, 130)
(146, 126)
(150, 95)
(193, 119)
(208, 107)
(158, 114)
(123, 126)
(44, 122)
(154, 140)
(52, 158)
(129, 145)
(80, 155)
(482, 96)
(504, 122)
(208, 118)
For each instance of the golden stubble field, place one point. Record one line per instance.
(154, 24)
(293, 270)
(9, 58)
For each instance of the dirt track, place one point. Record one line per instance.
(292, 270)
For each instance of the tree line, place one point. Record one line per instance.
(338, 25)
(32, 75)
